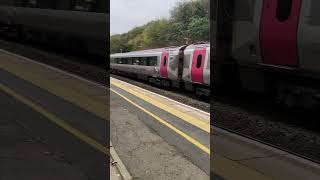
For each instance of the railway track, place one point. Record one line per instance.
(246, 117)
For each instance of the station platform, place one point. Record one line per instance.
(69, 114)
(53, 121)
(156, 137)
(53, 125)
(237, 157)
(232, 156)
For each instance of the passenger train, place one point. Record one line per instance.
(186, 67)
(264, 46)
(268, 46)
(75, 24)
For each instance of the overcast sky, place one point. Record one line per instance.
(127, 14)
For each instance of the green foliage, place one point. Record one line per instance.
(199, 28)
(189, 19)
(185, 11)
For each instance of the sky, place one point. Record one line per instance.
(127, 14)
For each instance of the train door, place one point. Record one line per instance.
(164, 64)
(279, 31)
(197, 67)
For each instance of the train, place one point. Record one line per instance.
(185, 67)
(269, 47)
(80, 25)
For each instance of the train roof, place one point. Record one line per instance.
(202, 45)
(158, 51)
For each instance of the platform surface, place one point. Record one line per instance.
(71, 114)
(62, 121)
(185, 128)
(55, 124)
(235, 156)
(232, 156)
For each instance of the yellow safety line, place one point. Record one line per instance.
(53, 118)
(194, 121)
(190, 139)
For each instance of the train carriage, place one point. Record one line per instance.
(75, 24)
(142, 64)
(155, 65)
(269, 46)
(185, 67)
(196, 69)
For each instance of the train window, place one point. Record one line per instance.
(284, 9)
(123, 61)
(315, 13)
(154, 61)
(148, 59)
(130, 61)
(136, 61)
(151, 61)
(244, 10)
(84, 5)
(144, 61)
(199, 61)
(127, 60)
(165, 61)
(30, 3)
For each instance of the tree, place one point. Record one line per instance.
(188, 20)
(198, 29)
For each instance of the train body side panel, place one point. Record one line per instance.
(173, 65)
(187, 63)
(246, 46)
(75, 23)
(246, 27)
(309, 36)
(206, 70)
